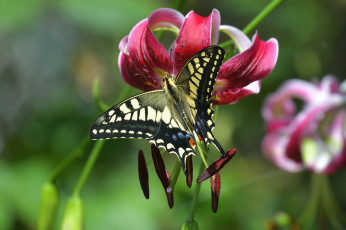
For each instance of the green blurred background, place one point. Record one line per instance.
(50, 53)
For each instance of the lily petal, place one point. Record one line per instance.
(338, 144)
(148, 55)
(165, 18)
(252, 65)
(196, 33)
(273, 146)
(280, 105)
(241, 41)
(123, 45)
(232, 96)
(132, 77)
(306, 123)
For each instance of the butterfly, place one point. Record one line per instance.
(171, 117)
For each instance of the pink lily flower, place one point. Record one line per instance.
(144, 61)
(313, 138)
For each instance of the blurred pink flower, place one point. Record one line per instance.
(144, 61)
(314, 136)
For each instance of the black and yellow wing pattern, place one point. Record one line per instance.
(153, 116)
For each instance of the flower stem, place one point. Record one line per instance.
(176, 172)
(195, 195)
(310, 213)
(77, 152)
(97, 146)
(269, 8)
(332, 210)
(254, 22)
(99, 102)
(322, 202)
(88, 167)
(96, 94)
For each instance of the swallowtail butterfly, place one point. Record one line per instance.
(169, 117)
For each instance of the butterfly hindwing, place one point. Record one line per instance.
(174, 140)
(137, 117)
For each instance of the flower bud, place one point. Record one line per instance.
(73, 216)
(190, 225)
(49, 201)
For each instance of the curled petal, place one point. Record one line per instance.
(143, 174)
(273, 146)
(253, 64)
(196, 33)
(306, 123)
(232, 96)
(329, 84)
(160, 166)
(328, 155)
(215, 182)
(241, 41)
(148, 55)
(166, 18)
(280, 105)
(132, 77)
(217, 165)
(123, 45)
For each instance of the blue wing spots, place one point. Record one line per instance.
(174, 137)
(181, 135)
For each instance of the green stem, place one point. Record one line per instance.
(331, 207)
(322, 202)
(99, 102)
(96, 150)
(77, 152)
(191, 216)
(88, 167)
(175, 174)
(254, 22)
(264, 13)
(96, 93)
(201, 149)
(310, 212)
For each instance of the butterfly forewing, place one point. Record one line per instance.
(136, 117)
(197, 79)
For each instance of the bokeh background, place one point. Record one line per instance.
(50, 53)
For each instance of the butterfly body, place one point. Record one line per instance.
(171, 117)
(178, 105)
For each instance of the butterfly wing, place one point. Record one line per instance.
(137, 117)
(173, 137)
(197, 79)
(144, 116)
